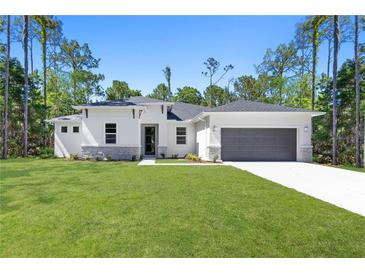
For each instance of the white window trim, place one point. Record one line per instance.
(186, 136)
(116, 134)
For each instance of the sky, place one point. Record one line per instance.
(135, 49)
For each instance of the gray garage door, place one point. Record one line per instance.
(259, 144)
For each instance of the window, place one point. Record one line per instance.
(75, 130)
(181, 135)
(64, 129)
(110, 133)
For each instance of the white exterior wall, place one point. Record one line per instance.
(153, 115)
(202, 137)
(264, 120)
(129, 129)
(180, 150)
(67, 143)
(93, 127)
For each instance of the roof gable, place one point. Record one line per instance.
(183, 111)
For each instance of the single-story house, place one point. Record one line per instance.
(145, 127)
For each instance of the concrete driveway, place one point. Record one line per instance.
(340, 187)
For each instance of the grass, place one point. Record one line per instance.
(58, 208)
(347, 167)
(173, 161)
(353, 168)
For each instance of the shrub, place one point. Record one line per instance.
(74, 157)
(98, 158)
(87, 157)
(141, 157)
(188, 156)
(215, 158)
(195, 158)
(192, 157)
(163, 155)
(109, 158)
(44, 156)
(45, 153)
(134, 158)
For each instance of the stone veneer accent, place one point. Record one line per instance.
(213, 150)
(306, 153)
(161, 149)
(117, 153)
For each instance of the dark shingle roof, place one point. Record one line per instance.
(143, 100)
(250, 106)
(74, 117)
(116, 103)
(183, 111)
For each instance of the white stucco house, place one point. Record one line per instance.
(141, 126)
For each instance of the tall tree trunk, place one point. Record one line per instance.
(314, 63)
(302, 64)
(336, 33)
(329, 58)
(26, 86)
(6, 94)
(210, 91)
(44, 60)
(301, 95)
(357, 91)
(169, 88)
(31, 45)
(74, 87)
(281, 88)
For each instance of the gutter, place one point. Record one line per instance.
(204, 114)
(109, 107)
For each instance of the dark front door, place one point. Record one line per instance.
(259, 144)
(150, 141)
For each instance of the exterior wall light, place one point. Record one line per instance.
(306, 129)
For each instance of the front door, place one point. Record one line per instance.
(150, 140)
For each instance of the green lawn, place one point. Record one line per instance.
(347, 167)
(58, 208)
(173, 161)
(352, 168)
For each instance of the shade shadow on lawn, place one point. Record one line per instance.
(57, 208)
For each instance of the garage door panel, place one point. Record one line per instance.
(258, 144)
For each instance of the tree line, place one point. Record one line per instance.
(31, 96)
(287, 75)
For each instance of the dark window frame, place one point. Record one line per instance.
(73, 129)
(62, 129)
(110, 133)
(181, 136)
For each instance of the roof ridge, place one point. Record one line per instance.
(256, 106)
(192, 104)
